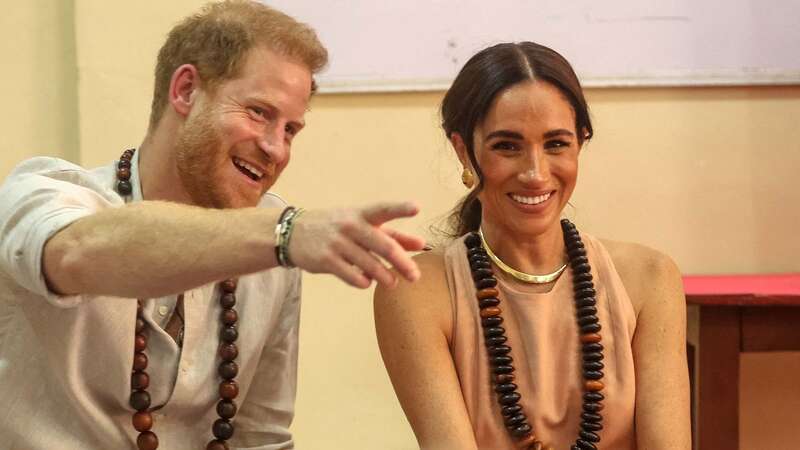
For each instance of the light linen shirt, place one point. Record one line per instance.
(66, 361)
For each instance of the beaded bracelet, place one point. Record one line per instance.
(283, 234)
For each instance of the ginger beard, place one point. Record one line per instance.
(202, 163)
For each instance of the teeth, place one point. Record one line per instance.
(531, 200)
(248, 167)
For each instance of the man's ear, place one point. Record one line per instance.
(183, 88)
(461, 149)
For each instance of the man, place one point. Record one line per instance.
(114, 331)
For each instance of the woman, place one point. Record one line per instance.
(484, 354)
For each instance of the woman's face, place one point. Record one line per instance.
(527, 149)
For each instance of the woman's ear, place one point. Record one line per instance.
(585, 136)
(468, 174)
(183, 88)
(461, 149)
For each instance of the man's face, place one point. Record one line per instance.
(237, 140)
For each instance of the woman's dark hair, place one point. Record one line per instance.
(483, 77)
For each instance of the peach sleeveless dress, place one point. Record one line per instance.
(543, 335)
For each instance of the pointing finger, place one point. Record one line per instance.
(384, 212)
(409, 242)
(377, 241)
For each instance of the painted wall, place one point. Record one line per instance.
(38, 115)
(707, 175)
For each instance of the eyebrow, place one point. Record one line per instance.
(504, 134)
(558, 132)
(508, 134)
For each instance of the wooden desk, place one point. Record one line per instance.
(736, 314)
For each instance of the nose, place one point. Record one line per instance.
(273, 143)
(535, 169)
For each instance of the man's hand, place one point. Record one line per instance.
(353, 243)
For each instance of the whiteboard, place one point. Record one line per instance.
(399, 45)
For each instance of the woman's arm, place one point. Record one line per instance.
(659, 349)
(413, 323)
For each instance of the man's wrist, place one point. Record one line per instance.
(283, 234)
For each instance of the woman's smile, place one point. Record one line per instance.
(531, 200)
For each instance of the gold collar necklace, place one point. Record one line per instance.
(521, 276)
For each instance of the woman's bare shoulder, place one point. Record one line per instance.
(644, 271)
(427, 299)
(432, 276)
(633, 254)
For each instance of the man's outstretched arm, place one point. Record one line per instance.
(150, 249)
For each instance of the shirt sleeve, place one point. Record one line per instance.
(38, 199)
(263, 421)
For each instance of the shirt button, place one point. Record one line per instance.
(163, 310)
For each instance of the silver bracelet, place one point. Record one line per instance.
(283, 234)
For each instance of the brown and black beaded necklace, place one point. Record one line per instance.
(498, 349)
(142, 419)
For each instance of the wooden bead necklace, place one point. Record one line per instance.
(498, 349)
(223, 428)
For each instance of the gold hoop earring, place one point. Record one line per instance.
(468, 178)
